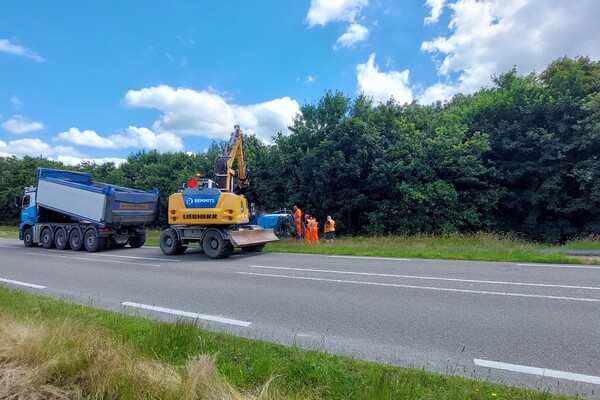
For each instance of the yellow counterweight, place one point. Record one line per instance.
(223, 208)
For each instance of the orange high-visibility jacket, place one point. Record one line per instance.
(314, 230)
(298, 221)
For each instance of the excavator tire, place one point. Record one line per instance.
(169, 244)
(215, 246)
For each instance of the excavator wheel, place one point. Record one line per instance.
(215, 246)
(169, 244)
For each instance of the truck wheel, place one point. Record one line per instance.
(60, 239)
(75, 240)
(138, 240)
(92, 242)
(46, 238)
(28, 238)
(169, 244)
(254, 249)
(215, 246)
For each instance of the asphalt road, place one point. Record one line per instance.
(529, 325)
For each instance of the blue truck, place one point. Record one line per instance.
(68, 209)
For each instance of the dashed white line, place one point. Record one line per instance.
(573, 266)
(538, 371)
(131, 257)
(212, 318)
(372, 258)
(537, 296)
(431, 278)
(96, 259)
(31, 285)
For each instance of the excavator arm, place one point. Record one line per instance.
(227, 178)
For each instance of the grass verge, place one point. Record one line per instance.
(477, 247)
(54, 349)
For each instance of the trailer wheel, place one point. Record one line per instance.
(46, 238)
(169, 244)
(138, 240)
(92, 242)
(254, 249)
(28, 238)
(60, 239)
(215, 246)
(75, 240)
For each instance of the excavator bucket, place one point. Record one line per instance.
(252, 237)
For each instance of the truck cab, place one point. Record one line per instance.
(27, 204)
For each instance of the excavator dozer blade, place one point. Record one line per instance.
(252, 237)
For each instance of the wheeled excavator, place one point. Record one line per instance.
(215, 214)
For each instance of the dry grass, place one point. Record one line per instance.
(68, 360)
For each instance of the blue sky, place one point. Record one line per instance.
(97, 81)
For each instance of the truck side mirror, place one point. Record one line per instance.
(18, 201)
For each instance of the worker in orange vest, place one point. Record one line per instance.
(298, 221)
(329, 230)
(307, 229)
(314, 231)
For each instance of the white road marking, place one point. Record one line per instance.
(432, 278)
(373, 258)
(31, 285)
(188, 314)
(132, 257)
(578, 266)
(96, 259)
(538, 371)
(537, 296)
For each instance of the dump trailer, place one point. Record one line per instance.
(215, 214)
(67, 209)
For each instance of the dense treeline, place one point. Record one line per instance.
(521, 157)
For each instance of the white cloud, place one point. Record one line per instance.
(70, 160)
(19, 125)
(436, 10)
(355, 33)
(322, 12)
(85, 138)
(6, 46)
(437, 92)
(145, 138)
(310, 79)
(201, 113)
(382, 85)
(489, 37)
(35, 148)
(134, 137)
